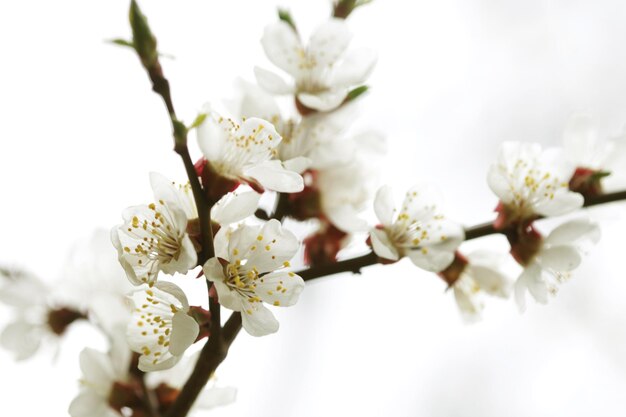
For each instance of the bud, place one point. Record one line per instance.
(144, 41)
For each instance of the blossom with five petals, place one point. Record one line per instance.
(419, 231)
(323, 71)
(249, 270)
(559, 253)
(532, 182)
(245, 152)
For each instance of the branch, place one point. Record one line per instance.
(145, 44)
(354, 265)
(211, 356)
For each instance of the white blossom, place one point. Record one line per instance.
(323, 71)
(482, 275)
(27, 295)
(100, 372)
(559, 254)
(347, 190)
(530, 181)
(418, 230)
(154, 237)
(249, 270)
(160, 328)
(583, 146)
(245, 151)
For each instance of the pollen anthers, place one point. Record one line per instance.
(154, 319)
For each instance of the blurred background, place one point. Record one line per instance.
(81, 130)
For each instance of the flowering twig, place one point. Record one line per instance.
(354, 265)
(145, 45)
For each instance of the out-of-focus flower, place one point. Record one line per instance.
(37, 319)
(478, 273)
(531, 182)
(556, 256)
(160, 328)
(419, 230)
(345, 191)
(104, 385)
(154, 237)
(249, 269)
(323, 71)
(168, 383)
(245, 152)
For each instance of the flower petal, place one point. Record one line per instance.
(282, 47)
(234, 207)
(431, 259)
(328, 43)
(323, 101)
(273, 176)
(574, 231)
(382, 246)
(563, 202)
(257, 320)
(355, 68)
(280, 288)
(384, 205)
(563, 258)
(272, 83)
(184, 333)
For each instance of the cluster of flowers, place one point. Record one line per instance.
(316, 173)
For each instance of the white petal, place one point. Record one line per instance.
(187, 258)
(559, 258)
(184, 333)
(323, 101)
(384, 205)
(212, 138)
(499, 184)
(280, 288)
(298, 164)
(434, 260)
(532, 280)
(271, 83)
(257, 320)
(328, 42)
(355, 68)
(234, 207)
(562, 203)
(346, 218)
(214, 272)
(90, 404)
(266, 250)
(21, 338)
(382, 245)
(97, 370)
(273, 176)
(282, 47)
(490, 280)
(574, 231)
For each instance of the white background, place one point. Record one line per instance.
(81, 130)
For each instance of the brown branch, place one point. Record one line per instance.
(211, 356)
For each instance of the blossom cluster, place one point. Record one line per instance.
(266, 164)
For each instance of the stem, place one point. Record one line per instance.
(149, 399)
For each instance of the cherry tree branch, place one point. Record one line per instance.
(354, 265)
